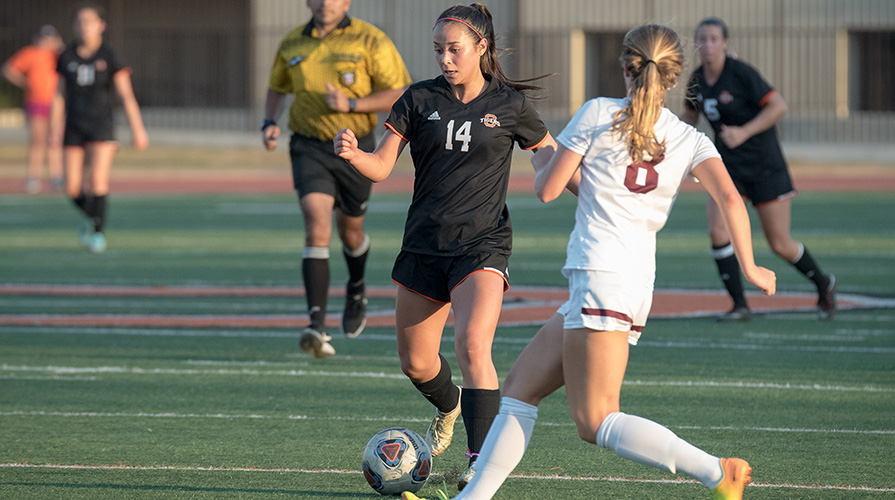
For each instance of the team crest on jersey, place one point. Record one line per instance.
(295, 60)
(490, 121)
(100, 65)
(348, 78)
(725, 97)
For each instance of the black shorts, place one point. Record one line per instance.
(317, 169)
(80, 132)
(770, 185)
(435, 277)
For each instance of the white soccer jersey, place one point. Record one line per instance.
(621, 206)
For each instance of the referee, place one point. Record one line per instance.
(342, 71)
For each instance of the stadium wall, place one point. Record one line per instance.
(204, 64)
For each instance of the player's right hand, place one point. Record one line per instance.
(269, 137)
(763, 278)
(345, 144)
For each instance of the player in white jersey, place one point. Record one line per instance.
(626, 159)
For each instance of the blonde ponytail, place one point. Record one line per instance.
(654, 57)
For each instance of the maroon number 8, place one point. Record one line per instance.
(642, 177)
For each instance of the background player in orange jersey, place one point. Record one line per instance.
(33, 68)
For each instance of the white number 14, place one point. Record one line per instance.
(462, 135)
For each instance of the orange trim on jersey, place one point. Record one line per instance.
(506, 284)
(418, 293)
(767, 97)
(388, 126)
(539, 144)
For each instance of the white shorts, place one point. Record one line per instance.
(604, 301)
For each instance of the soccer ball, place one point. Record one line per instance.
(397, 460)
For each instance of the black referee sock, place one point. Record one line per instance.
(440, 391)
(479, 407)
(356, 261)
(315, 273)
(98, 213)
(729, 270)
(807, 266)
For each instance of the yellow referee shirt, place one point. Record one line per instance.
(357, 58)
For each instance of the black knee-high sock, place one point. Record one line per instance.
(98, 213)
(315, 272)
(729, 270)
(807, 266)
(479, 407)
(440, 391)
(356, 261)
(84, 203)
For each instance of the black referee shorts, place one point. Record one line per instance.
(317, 169)
(435, 277)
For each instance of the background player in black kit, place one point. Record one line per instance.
(743, 110)
(461, 127)
(89, 79)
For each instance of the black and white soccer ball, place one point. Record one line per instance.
(397, 460)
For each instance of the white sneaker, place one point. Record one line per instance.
(441, 430)
(85, 233)
(466, 478)
(32, 185)
(316, 343)
(97, 243)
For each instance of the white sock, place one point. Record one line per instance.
(502, 450)
(649, 443)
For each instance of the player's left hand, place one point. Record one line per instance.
(141, 139)
(733, 136)
(336, 100)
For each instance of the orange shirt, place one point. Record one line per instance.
(39, 67)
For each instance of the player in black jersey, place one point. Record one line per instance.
(461, 127)
(89, 79)
(743, 109)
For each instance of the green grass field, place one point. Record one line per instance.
(90, 412)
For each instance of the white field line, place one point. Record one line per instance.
(512, 476)
(250, 416)
(126, 370)
(684, 344)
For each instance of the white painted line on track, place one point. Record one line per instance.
(353, 472)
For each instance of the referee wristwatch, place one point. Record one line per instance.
(352, 104)
(267, 123)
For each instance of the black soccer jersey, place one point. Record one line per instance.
(734, 99)
(90, 89)
(461, 155)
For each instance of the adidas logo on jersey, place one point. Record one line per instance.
(434, 116)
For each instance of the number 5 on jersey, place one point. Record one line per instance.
(463, 135)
